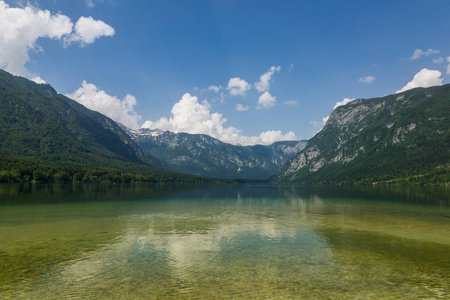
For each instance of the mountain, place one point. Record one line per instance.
(206, 156)
(394, 139)
(47, 137)
(37, 122)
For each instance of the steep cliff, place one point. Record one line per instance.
(379, 139)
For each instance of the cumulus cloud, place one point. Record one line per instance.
(264, 81)
(240, 107)
(87, 30)
(343, 102)
(20, 29)
(121, 111)
(238, 86)
(424, 78)
(214, 88)
(39, 80)
(438, 60)
(418, 53)
(291, 103)
(191, 116)
(266, 101)
(368, 79)
(272, 136)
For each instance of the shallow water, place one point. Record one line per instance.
(236, 241)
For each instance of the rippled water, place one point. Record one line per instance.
(238, 241)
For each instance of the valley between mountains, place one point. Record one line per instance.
(396, 139)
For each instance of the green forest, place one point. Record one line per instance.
(17, 169)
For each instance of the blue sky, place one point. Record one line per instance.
(152, 62)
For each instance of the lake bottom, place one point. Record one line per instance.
(254, 242)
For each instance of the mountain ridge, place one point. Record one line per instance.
(204, 155)
(36, 121)
(47, 137)
(378, 140)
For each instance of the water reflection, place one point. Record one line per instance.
(51, 193)
(238, 241)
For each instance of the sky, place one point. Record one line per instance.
(245, 72)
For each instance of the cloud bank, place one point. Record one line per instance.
(191, 116)
(121, 111)
(424, 78)
(20, 28)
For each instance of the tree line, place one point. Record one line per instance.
(18, 169)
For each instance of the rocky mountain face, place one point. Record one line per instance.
(206, 156)
(379, 139)
(39, 123)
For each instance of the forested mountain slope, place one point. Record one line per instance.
(47, 137)
(37, 122)
(206, 156)
(398, 138)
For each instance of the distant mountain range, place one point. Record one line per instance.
(45, 136)
(203, 155)
(401, 138)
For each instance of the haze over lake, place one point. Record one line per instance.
(231, 241)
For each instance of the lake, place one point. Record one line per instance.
(223, 241)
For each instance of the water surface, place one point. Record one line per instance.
(235, 241)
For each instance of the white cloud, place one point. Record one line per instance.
(324, 120)
(448, 66)
(264, 80)
(272, 136)
(119, 110)
(343, 102)
(39, 80)
(87, 30)
(238, 86)
(266, 101)
(20, 29)
(424, 78)
(214, 88)
(291, 103)
(188, 115)
(438, 60)
(240, 107)
(418, 53)
(368, 79)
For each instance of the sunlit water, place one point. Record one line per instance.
(237, 241)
